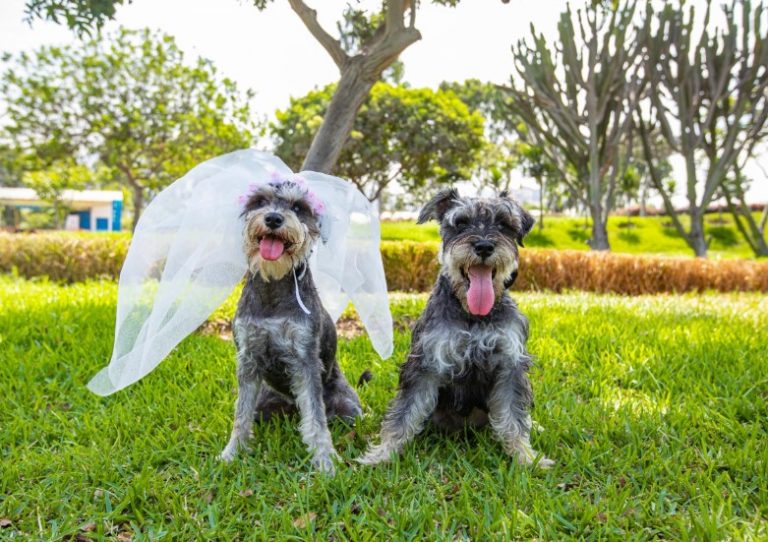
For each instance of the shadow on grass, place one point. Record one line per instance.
(629, 237)
(538, 239)
(669, 230)
(580, 234)
(724, 235)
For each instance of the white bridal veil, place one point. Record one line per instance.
(187, 255)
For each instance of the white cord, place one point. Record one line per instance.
(298, 297)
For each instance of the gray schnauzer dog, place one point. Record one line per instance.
(468, 363)
(286, 340)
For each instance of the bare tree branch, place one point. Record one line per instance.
(309, 17)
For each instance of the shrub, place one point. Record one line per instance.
(557, 270)
(64, 257)
(412, 267)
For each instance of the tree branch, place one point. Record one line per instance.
(395, 12)
(309, 17)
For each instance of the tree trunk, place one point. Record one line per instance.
(599, 239)
(696, 239)
(57, 215)
(754, 237)
(351, 92)
(138, 205)
(541, 204)
(643, 197)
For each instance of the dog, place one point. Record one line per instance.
(468, 363)
(285, 339)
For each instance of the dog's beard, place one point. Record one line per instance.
(273, 254)
(478, 283)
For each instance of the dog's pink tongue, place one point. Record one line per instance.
(271, 248)
(480, 296)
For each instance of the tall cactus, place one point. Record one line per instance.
(708, 98)
(577, 101)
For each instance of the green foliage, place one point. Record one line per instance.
(499, 156)
(418, 137)
(50, 184)
(64, 256)
(651, 406)
(8, 175)
(84, 16)
(130, 100)
(80, 15)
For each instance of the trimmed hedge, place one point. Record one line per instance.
(413, 266)
(64, 257)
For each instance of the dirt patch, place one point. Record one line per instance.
(347, 327)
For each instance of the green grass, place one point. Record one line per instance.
(655, 409)
(647, 235)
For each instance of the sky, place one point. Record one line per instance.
(272, 53)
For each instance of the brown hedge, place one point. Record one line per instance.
(413, 266)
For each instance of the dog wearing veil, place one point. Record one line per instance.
(307, 244)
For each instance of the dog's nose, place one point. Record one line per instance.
(274, 220)
(483, 248)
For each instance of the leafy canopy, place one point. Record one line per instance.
(417, 137)
(130, 104)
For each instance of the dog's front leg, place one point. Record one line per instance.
(405, 418)
(248, 390)
(509, 405)
(307, 389)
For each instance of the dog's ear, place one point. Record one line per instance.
(526, 223)
(436, 208)
(526, 220)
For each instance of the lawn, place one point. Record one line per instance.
(646, 235)
(655, 409)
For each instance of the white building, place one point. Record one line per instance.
(91, 210)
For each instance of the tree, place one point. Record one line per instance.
(498, 158)
(577, 102)
(380, 38)
(8, 176)
(404, 135)
(708, 98)
(753, 230)
(51, 183)
(130, 101)
(536, 164)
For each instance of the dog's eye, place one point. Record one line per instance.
(257, 202)
(461, 223)
(507, 228)
(297, 208)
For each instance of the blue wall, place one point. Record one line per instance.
(117, 215)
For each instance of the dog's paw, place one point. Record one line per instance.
(525, 455)
(230, 451)
(228, 454)
(323, 462)
(375, 455)
(545, 463)
(529, 458)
